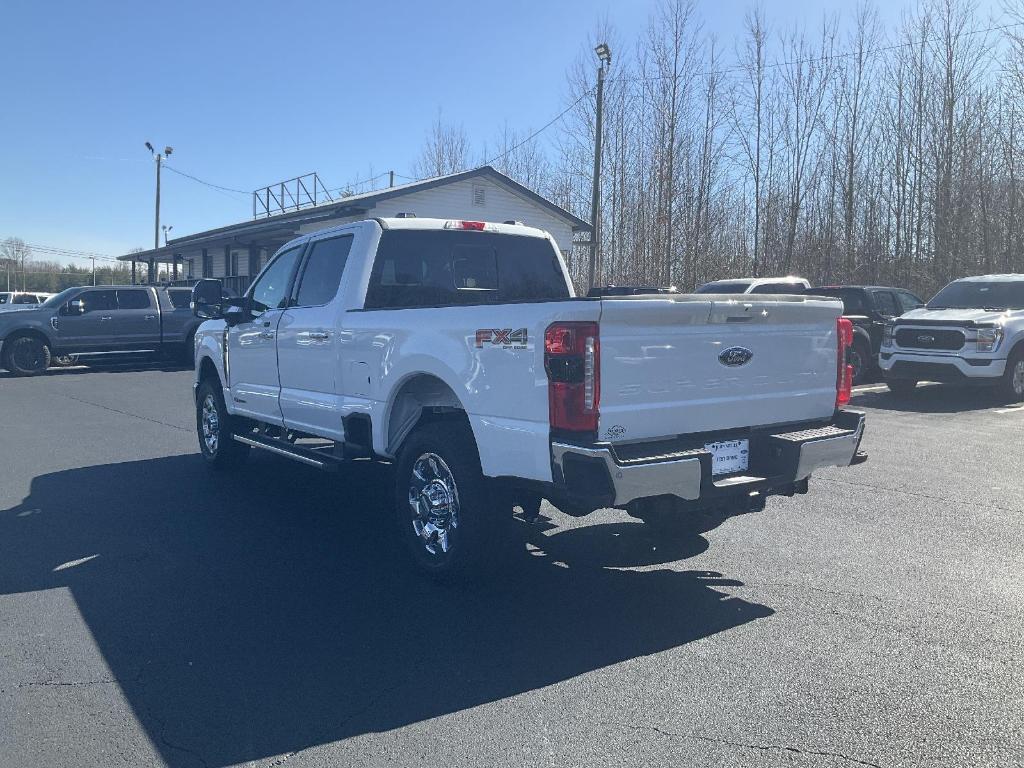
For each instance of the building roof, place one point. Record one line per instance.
(283, 225)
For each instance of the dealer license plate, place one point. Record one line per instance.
(729, 456)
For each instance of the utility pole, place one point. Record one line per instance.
(391, 178)
(160, 157)
(93, 269)
(604, 55)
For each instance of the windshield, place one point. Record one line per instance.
(55, 301)
(971, 294)
(725, 286)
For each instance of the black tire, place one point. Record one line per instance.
(212, 420)
(901, 386)
(860, 357)
(437, 472)
(26, 356)
(1012, 384)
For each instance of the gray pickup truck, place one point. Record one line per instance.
(98, 320)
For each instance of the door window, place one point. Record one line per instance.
(322, 274)
(271, 290)
(99, 301)
(885, 304)
(133, 299)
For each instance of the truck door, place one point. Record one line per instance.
(252, 345)
(308, 344)
(137, 321)
(93, 328)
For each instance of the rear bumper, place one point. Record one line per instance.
(780, 461)
(942, 368)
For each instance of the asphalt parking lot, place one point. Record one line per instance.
(154, 614)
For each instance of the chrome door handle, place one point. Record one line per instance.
(318, 335)
(150, 317)
(108, 317)
(267, 334)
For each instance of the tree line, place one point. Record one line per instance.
(843, 151)
(20, 270)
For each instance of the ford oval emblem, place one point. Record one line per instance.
(734, 357)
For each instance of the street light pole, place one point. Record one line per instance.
(160, 157)
(604, 55)
(93, 269)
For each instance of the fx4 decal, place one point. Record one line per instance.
(502, 337)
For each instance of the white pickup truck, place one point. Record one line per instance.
(971, 332)
(457, 351)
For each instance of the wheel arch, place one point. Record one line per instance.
(418, 397)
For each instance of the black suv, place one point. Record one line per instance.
(868, 307)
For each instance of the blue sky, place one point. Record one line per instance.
(252, 93)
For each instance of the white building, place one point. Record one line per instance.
(237, 252)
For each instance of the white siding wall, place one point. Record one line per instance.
(217, 261)
(456, 201)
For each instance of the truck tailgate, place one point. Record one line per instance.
(691, 364)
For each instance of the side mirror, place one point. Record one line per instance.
(207, 299)
(76, 307)
(236, 311)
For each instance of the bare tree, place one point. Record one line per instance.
(14, 252)
(446, 150)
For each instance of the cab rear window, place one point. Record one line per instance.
(430, 268)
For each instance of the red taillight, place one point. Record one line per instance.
(572, 360)
(478, 226)
(844, 372)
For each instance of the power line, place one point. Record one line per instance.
(543, 128)
(206, 183)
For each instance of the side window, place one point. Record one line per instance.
(885, 304)
(133, 299)
(99, 301)
(180, 298)
(908, 301)
(271, 290)
(322, 274)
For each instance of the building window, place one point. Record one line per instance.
(479, 195)
(207, 264)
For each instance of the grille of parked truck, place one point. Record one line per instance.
(457, 351)
(972, 332)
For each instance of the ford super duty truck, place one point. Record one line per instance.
(97, 320)
(971, 332)
(457, 351)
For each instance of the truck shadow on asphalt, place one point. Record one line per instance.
(252, 615)
(932, 398)
(111, 365)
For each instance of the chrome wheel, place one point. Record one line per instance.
(1018, 378)
(434, 503)
(210, 425)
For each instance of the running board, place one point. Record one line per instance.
(305, 455)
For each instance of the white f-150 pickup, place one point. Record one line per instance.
(972, 332)
(457, 351)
